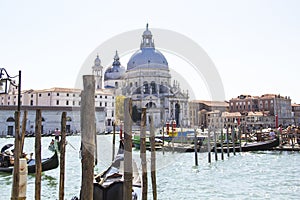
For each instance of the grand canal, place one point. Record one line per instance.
(251, 175)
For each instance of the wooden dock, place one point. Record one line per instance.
(287, 147)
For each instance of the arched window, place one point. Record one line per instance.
(10, 119)
(146, 87)
(153, 87)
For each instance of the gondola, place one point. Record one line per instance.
(47, 164)
(253, 146)
(109, 184)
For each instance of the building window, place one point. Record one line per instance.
(101, 97)
(32, 96)
(57, 102)
(105, 97)
(105, 104)
(48, 94)
(112, 104)
(40, 95)
(67, 94)
(73, 103)
(100, 104)
(31, 102)
(67, 103)
(57, 94)
(73, 95)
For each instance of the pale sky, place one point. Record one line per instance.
(255, 44)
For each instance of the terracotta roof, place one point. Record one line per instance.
(211, 103)
(231, 114)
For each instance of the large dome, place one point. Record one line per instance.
(147, 56)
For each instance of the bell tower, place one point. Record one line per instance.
(97, 72)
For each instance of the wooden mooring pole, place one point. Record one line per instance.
(233, 139)
(153, 158)
(222, 150)
(127, 190)
(208, 146)
(114, 141)
(143, 154)
(195, 146)
(62, 156)
(24, 122)
(240, 137)
(87, 118)
(215, 145)
(38, 157)
(227, 140)
(16, 174)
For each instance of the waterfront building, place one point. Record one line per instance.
(270, 105)
(296, 114)
(202, 110)
(52, 103)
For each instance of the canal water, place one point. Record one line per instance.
(247, 175)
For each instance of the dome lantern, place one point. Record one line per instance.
(147, 56)
(147, 41)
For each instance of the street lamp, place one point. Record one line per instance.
(6, 80)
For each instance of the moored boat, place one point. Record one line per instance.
(136, 141)
(47, 164)
(109, 184)
(253, 146)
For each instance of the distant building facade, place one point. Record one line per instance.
(296, 114)
(52, 103)
(269, 105)
(202, 110)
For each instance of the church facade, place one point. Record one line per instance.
(147, 80)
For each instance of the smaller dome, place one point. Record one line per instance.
(116, 71)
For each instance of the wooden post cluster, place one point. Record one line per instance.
(88, 132)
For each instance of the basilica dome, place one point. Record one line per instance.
(147, 56)
(116, 71)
